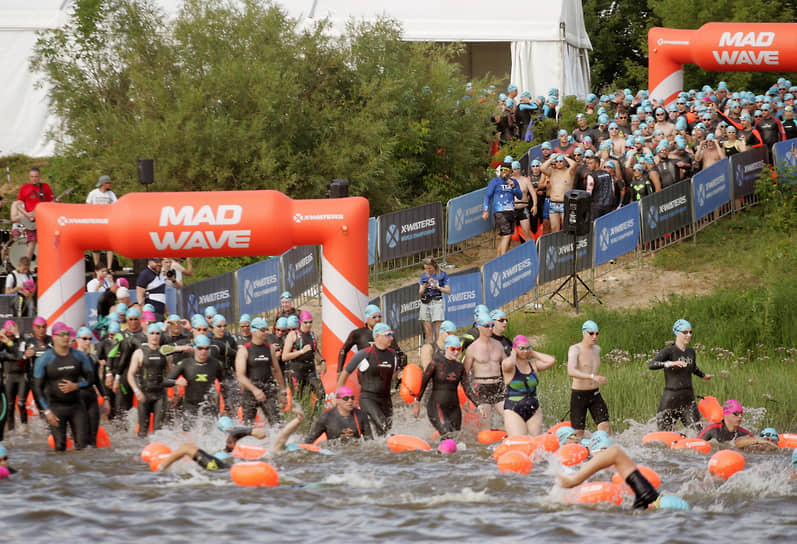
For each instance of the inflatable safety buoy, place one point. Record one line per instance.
(725, 463)
(547, 442)
(559, 425)
(649, 474)
(151, 423)
(572, 454)
(288, 400)
(595, 492)
(519, 442)
(103, 441)
(447, 446)
(248, 451)
(309, 447)
(153, 449)
(463, 398)
(515, 461)
(254, 474)
(322, 438)
(787, 440)
(406, 394)
(403, 442)
(51, 442)
(157, 459)
(30, 405)
(412, 377)
(488, 436)
(710, 408)
(667, 438)
(693, 444)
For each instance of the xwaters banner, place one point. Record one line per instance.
(217, 291)
(411, 231)
(465, 217)
(666, 211)
(616, 233)
(557, 251)
(510, 276)
(299, 270)
(259, 287)
(466, 293)
(745, 169)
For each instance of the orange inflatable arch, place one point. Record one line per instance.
(207, 224)
(718, 47)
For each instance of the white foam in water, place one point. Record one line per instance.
(465, 495)
(354, 479)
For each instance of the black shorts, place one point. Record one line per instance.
(489, 393)
(208, 462)
(522, 214)
(581, 401)
(505, 221)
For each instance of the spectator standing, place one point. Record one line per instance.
(431, 288)
(102, 194)
(151, 287)
(29, 196)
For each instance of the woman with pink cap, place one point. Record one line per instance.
(730, 430)
(522, 412)
(302, 357)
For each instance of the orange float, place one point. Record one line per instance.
(258, 474)
(463, 398)
(667, 438)
(572, 454)
(710, 408)
(488, 436)
(51, 442)
(412, 377)
(157, 459)
(559, 425)
(153, 449)
(403, 442)
(322, 438)
(548, 442)
(693, 444)
(248, 451)
(515, 461)
(787, 440)
(288, 400)
(103, 440)
(151, 419)
(649, 474)
(407, 395)
(595, 492)
(30, 406)
(519, 442)
(725, 463)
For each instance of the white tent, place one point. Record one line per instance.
(548, 47)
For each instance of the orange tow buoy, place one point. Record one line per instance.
(693, 444)
(488, 436)
(51, 442)
(518, 442)
(248, 451)
(463, 398)
(288, 400)
(710, 408)
(412, 377)
(151, 420)
(556, 427)
(157, 459)
(322, 438)
(787, 440)
(665, 437)
(595, 492)
(649, 474)
(725, 463)
(30, 405)
(258, 474)
(404, 442)
(406, 394)
(153, 449)
(103, 441)
(515, 461)
(572, 454)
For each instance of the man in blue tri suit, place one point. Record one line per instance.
(501, 192)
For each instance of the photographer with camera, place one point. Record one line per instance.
(433, 284)
(172, 271)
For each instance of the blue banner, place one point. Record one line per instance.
(466, 293)
(510, 276)
(786, 155)
(373, 237)
(259, 287)
(616, 233)
(745, 169)
(299, 270)
(465, 216)
(711, 189)
(556, 253)
(91, 307)
(401, 309)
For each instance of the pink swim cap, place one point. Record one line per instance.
(60, 326)
(8, 324)
(39, 321)
(731, 406)
(305, 316)
(447, 446)
(29, 285)
(122, 282)
(148, 316)
(344, 391)
(520, 339)
(4, 473)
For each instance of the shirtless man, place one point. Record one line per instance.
(562, 174)
(483, 365)
(526, 206)
(583, 363)
(709, 152)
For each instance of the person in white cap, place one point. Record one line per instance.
(102, 194)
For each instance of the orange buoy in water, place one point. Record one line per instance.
(258, 418)
(151, 420)
(488, 436)
(404, 442)
(518, 442)
(51, 442)
(515, 461)
(157, 459)
(248, 451)
(322, 438)
(153, 449)
(548, 442)
(693, 444)
(412, 377)
(595, 492)
(572, 454)
(406, 394)
(665, 437)
(463, 398)
(710, 408)
(649, 474)
(725, 463)
(30, 405)
(103, 441)
(288, 400)
(556, 427)
(787, 440)
(309, 447)
(258, 474)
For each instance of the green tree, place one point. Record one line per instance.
(230, 97)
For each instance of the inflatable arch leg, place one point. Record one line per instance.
(718, 47)
(229, 223)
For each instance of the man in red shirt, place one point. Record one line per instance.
(28, 198)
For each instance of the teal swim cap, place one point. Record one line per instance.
(670, 502)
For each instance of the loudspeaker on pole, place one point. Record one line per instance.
(146, 171)
(578, 212)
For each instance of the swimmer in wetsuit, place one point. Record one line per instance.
(483, 368)
(583, 364)
(446, 373)
(363, 337)
(501, 322)
(148, 368)
(303, 359)
(377, 366)
(730, 430)
(679, 363)
(341, 421)
(257, 368)
(522, 412)
(17, 370)
(428, 351)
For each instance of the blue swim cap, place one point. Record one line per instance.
(680, 325)
(600, 440)
(372, 309)
(511, 87)
(670, 502)
(222, 456)
(259, 324)
(209, 311)
(515, 165)
(173, 318)
(153, 327)
(201, 340)
(148, 308)
(3, 451)
(770, 432)
(381, 328)
(453, 341)
(447, 326)
(113, 316)
(535, 162)
(198, 321)
(121, 308)
(84, 331)
(482, 319)
(114, 327)
(563, 433)
(546, 145)
(282, 323)
(509, 103)
(219, 319)
(508, 158)
(245, 318)
(497, 314)
(224, 423)
(293, 321)
(286, 295)
(132, 312)
(589, 326)
(480, 308)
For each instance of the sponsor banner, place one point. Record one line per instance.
(466, 293)
(745, 169)
(299, 270)
(465, 216)
(616, 233)
(217, 291)
(711, 189)
(373, 235)
(786, 154)
(411, 231)
(556, 255)
(666, 211)
(258, 287)
(510, 276)
(400, 311)
(91, 300)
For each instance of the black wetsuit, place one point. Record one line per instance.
(151, 373)
(107, 353)
(640, 187)
(470, 335)
(278, 342)
(89, 397)
(224, 349)
(240, 339)
(678, 399)
(771, 132)
(376, 367)
(506, 343)
(39, 346)
(132, 341)
(443, 405)
(605, 194)
(789, 128)
(302, 369)
(669, 173)
(48, 373)
(200, 393)
(362, 338)
(720, 433)
(260, 373)
(17, 385)
(336, 425)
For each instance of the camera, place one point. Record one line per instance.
(171, 274)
